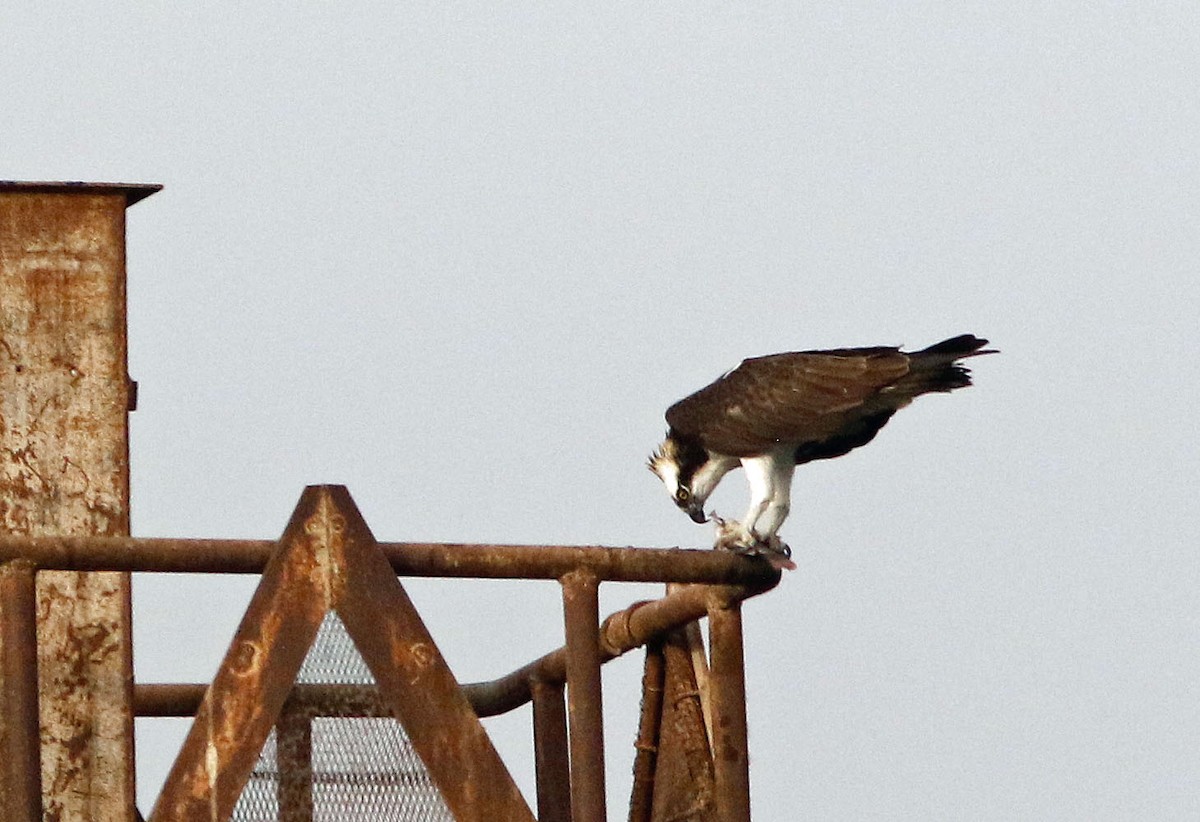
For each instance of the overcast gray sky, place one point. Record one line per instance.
(460, 257)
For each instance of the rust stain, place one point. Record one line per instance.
(326, 532)
(419, 657)
(245, 659)
(421, 654)
(64, 471)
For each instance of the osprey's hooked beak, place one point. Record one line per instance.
(695, 511)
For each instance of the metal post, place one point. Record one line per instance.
(20, 766)
(293, 755)
(695, 644)
(581, 610)
(728, 692)
(641, 800)
(550, 752)
(64, 398)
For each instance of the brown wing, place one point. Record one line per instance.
(786, 398)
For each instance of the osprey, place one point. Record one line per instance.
(773, 413)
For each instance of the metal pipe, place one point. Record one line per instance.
(193, 556)
(183, 699)
(556, 561)
(416, 559)
(550, 752)
(20, 767)
(581, 611)
(641, 799)
(728, 693)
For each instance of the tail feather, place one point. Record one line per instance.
(964, 345)
(936, 368)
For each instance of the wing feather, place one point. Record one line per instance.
(796, 397)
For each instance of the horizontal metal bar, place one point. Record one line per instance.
(620, 632)
(415, 559)
(556, 561)
(161, 699)
(197, 556)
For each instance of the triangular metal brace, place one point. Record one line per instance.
(328, 559)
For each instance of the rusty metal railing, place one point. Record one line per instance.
(713, 585)
(66, 697)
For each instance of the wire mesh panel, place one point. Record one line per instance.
(319, 764)
(333, 659)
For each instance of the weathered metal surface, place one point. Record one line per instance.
(64, 437)
(414, 559)
(728, 693)
(584, 699)
(254, 679)
(131, 192)
(621, 632)
(20, 766)
(695, 643)
(684, 782)
(550, 752)
(64, 395)
(184, 699)
(414, 678)
(641, 797)
(124, 554)
(329, 560)
(294, 753)
(556, 561)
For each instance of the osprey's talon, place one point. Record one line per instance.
(778, 546)
(734, 536)
(778, 554)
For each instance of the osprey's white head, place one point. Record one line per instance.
(689, 472)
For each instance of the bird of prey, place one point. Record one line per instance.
(773, 413)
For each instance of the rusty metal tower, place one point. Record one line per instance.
(67, 697)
